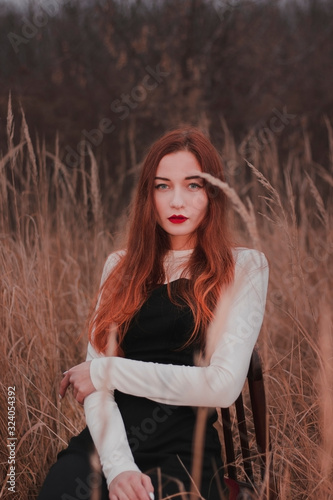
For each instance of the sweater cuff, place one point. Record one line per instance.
(100, 373)
(115, 470)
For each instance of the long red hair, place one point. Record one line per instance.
(211, 264)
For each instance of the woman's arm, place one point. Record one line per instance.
(123, 477)
(219, 383)
(104, 419)
(108, 433)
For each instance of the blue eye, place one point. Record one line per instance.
(195, 186)
(161, 187)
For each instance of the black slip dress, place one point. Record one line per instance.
(160, 435)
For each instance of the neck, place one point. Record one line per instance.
(178, 243)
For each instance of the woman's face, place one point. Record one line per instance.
(180, 198)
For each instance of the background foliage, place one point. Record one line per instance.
(71, 65)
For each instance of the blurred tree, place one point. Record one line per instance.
(148, 66)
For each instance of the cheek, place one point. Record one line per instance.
(200, 203)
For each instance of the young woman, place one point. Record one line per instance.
(141, 384)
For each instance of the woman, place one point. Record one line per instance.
(140, 384)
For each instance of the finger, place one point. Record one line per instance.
(121, 495)
(139, 492)
(132, 489)
(78, 396)
(148, 485)
(64, 385)
(125, 494)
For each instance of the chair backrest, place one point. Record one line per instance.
(256, 411)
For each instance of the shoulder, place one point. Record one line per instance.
(111, 263)
(249, 259)
(251, 275)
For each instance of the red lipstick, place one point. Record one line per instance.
(177, 219)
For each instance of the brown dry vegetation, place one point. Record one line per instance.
(238, 58)
(54, 240)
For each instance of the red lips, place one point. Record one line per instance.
(177, 219)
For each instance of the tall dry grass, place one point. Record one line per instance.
(52, 250)
(53, 245)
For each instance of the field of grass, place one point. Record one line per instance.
(54, 240)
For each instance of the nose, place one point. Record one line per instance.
(177, 200)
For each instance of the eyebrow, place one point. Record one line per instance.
(186, 178)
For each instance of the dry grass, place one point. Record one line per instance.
(52, 250)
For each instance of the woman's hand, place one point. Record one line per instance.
(131, 485)
(79, 377)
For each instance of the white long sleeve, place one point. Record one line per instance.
(219, 383)
(105, 422)
(107, 430)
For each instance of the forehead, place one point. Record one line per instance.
(178, 165)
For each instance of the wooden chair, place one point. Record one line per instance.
(249, 484)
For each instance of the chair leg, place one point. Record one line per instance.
(245, 447)
(229, 444)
